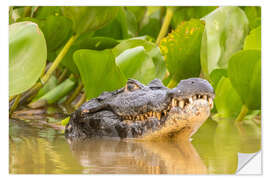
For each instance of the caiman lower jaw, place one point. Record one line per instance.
(184, 117)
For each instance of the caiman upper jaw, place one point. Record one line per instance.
(186, 92)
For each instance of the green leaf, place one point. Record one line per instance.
(225, 31)
(123, 26)
(151, 24)
(54, 94)
(98, 71)
(140, 59)
(27, 56)
(186, 13)
(56, 30)
(52, 83)
(86, 41)
(135, 63)
(181, 49)
(138, 11)
(227, 101)
(254, 15)
(253, 40)
(43, 12)
(117, 29)
(89, 18)
(132, 25)
(18, 12)
(216, 75)
(65, 121)
(59, 91)
(244, 71)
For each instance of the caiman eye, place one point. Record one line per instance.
(131, 87)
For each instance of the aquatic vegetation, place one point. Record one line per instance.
(72, 54)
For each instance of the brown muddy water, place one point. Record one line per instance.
(217, 148)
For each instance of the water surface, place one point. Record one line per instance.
(214, 149)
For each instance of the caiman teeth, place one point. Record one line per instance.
(174, 103)
(165, 112)
(182, 104)
(205, 97)
(210, 101)
(158, 115)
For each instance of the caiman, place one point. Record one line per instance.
(144, 111)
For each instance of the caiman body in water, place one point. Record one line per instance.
(144, 111)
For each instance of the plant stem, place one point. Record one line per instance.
(62, 75)
(27, 11)
(15, 104)
(58, 59)
(81, 101)
(11, 21)
(11, 98)
(75, 93)
(165, 25)
(31, 94)
(242, 114)
(172, 83)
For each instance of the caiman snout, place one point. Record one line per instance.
(192, 86)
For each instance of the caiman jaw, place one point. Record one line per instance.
(175, 102)
(184, 115)
(181, 112)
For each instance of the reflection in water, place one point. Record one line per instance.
(218, 144)
(137, 157)
(214, 149)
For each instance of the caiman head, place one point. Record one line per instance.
(144, 111)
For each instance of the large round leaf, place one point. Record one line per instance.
(98, 71)
(135, 63)
(57, 30)
(27, 56)
(186, 13)
(181, 49)
(86, 41)
(225, 32)
(139, 59)
(89, 18)
(244, 71)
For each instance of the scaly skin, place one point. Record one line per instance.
(144, 111)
